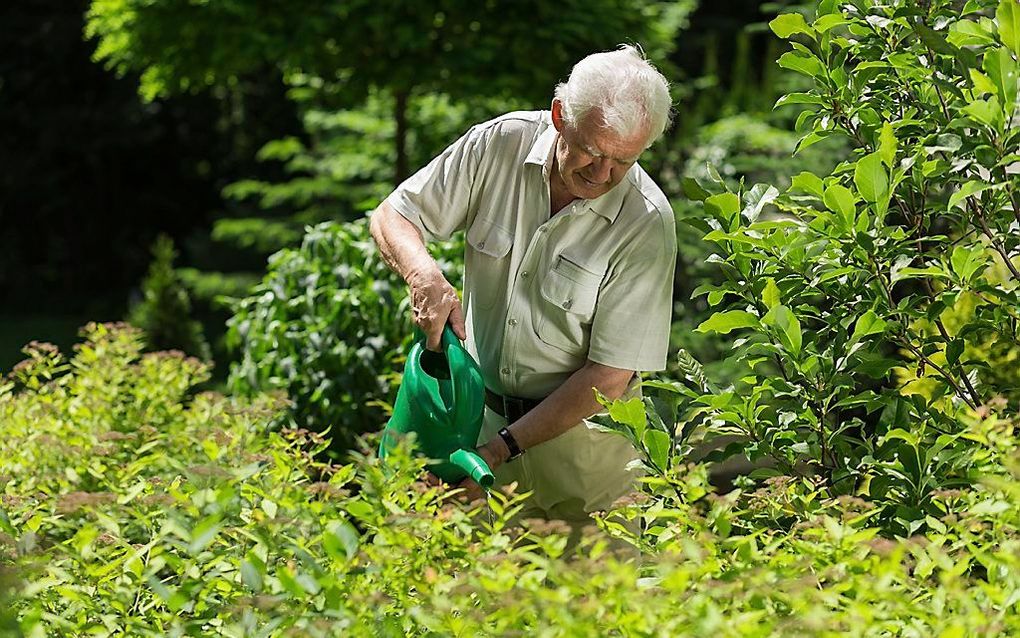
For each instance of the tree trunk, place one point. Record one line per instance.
(400, 117)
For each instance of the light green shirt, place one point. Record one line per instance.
(542, 295)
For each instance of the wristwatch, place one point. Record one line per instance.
(511, 443)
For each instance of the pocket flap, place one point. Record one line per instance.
(571, 287)
(489, 238)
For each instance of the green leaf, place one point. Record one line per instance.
(810, 139)
(1002, 71)
(809, 183)
(868, 324)
(782, 317)
(933, 39)
(798, 98)
(657, 443)
(967, 261)
(204, 533)
(802, 63)
(269, 507)
(840, 200)
(725, 322)
(983, 84)
(985, 111)
(250, 575)
(630, 412)
(770, 295)
(953, 351)
(693, 190)
(829, 22)
(174, 599)
(756, 199)
(1007, 19)
(788, 24)
(875, 366)
(887, 145)
(871, 178)
(340, 540)
(723, 206)
(969, 33)
(969, 189)
(912, 273)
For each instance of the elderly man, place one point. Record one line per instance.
(568, 274)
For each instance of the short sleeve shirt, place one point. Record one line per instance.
(543, 294)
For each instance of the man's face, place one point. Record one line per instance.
(590, 158)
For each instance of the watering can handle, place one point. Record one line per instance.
(449, 342)
(449, 338)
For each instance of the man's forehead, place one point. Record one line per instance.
(594, 131)
(596, 134)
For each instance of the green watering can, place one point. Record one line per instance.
(441, 400)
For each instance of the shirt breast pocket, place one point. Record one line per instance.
(568, 293)
(485, 261)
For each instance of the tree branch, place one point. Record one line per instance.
(999, 248)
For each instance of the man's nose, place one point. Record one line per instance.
(601, 169)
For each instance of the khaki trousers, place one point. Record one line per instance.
(581, 471)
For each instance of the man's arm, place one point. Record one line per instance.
(434, 301)
(566, 407)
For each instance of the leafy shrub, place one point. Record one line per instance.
(130, 507)
(164, 314)
(855, 278)
(742, 147)
(327, 325)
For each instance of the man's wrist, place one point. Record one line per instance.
(424, 273)
(510, 441)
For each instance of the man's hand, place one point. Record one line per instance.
(434, 302)
(494, 453)
(433, 299)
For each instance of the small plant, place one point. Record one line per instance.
(164, 314)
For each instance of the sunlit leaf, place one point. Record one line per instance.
(725, 322)
(1007, 18)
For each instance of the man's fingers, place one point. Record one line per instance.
(472, 491)
(456, 321)
(432, 338)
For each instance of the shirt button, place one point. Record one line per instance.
(542, 229)
(512, 322)
(481, 244)
(505, 370)
(568, 303)
(525, 274)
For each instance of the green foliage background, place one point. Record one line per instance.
(848, 276)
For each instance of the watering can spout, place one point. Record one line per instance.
(474, 466)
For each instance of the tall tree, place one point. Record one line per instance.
(458, 47)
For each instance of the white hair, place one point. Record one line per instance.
(629, 93)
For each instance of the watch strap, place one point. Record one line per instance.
(511, 443)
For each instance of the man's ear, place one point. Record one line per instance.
(557, 115)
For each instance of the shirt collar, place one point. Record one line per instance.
(609, 205)
(541, 154)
